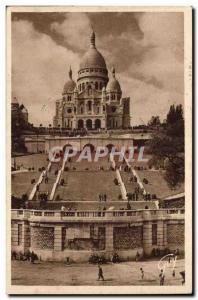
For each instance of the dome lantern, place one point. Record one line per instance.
(92, 39)
(70, 84)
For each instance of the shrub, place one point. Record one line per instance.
(145, 181)
(58, 198)
(62, 182)
(24, 197)
(96, 259)
(116, 258)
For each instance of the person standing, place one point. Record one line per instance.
(100, 273)
(162, 277)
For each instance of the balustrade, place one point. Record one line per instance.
(95, 214)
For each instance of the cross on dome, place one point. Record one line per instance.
(113, 71)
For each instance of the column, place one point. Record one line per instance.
(92, 107)
(26, 236)
(147, 238)
(160, 234)
(14, 234)
(57, 238)
(109, 237)
(165, 234)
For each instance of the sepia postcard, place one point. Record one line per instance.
(99, 150)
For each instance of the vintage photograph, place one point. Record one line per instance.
(99, 150)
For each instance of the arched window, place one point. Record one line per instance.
(98, 109)
(89, 105)
(96, 85)
(100, 85)
(97, 124)
(113, 97)
(80, 124)
(89, 124)
(83, 86)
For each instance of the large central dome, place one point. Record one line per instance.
(92, 58)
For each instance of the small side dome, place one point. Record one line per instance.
(24, 110)
(113, 84)
(15, 100)
(69, 85)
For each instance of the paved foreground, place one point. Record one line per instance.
(126, 273)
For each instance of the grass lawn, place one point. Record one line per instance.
(87, 185)
(157, 184)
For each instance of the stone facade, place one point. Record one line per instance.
(57, 237)
(95, 101)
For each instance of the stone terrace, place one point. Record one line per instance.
(94, 205)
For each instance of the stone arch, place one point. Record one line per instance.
(97, 123)
(67, 146)
(89, 124)
(80, 124)
(110, 146)
(91, 146)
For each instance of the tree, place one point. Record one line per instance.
(167, 147)
(154, 121)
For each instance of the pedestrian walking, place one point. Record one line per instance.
(142, 273)
(100, 273)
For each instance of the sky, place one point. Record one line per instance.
(146, 49)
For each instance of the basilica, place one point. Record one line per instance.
(95, 100)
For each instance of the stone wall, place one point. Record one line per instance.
(42, 237)
(154, 234)
(58, 239)
(127, 237)
(175, 234)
